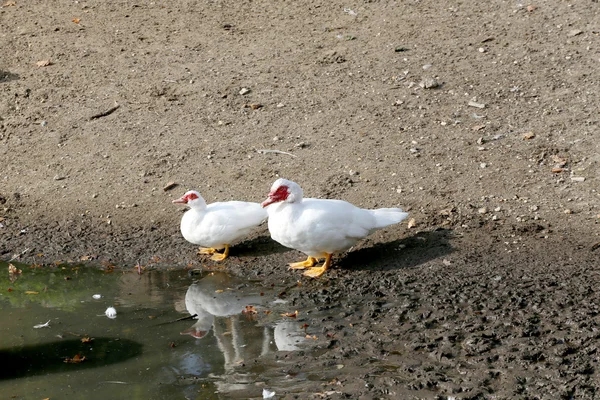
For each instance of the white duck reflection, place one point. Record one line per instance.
(218, 307)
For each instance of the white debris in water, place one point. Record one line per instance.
(97, 296)
(46, 325)
(267, 394)
(111, 312)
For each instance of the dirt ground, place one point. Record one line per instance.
(479, 118)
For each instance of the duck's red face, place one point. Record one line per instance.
(189, 196)
(277, 195)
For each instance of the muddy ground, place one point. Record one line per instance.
(481, 119)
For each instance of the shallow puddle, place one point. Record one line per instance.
(51, 320)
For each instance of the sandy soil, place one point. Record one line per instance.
(481, 119)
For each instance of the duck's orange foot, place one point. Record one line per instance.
(221, 256)
(315, 272)
(309, 262)
(207, 250)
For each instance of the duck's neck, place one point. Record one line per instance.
(198, 204)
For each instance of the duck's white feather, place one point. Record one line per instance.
(222, 223)
(318, 227)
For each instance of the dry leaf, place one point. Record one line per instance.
(76, 20)
(557, 170)
(13, 270)
(219, 291)
(528, 135)
(291, 315)
(250, 310)
(87, 258)
(560, 161)
(43, 63)
(75, 360)
(86, 339)
(412, 223)
(9, 4)
(31, 292)
(531, 8)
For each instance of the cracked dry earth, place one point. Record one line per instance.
(479, 118)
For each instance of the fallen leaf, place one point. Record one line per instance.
(87, 258)
(75, 360)
(12, 270)
(557, 170)
(250, 310)
(531, 8)
(528, 135)
(290, 315)
(219, 291)
(86, 339)
(269, 311)
(76, 20)
(560, 161)
(9, 4)
(411, 223)
(31, 292)
(43, 63)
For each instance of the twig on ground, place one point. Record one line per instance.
(265, 151)
(15, 256)
(105, 113)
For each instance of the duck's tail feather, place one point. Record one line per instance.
(388, 216)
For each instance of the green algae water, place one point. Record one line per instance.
(57, 342)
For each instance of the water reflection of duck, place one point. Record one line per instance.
(218, 308)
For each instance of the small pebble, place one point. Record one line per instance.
(244, 91)
(429, 83)
(97, 296)
(577, 178)
(483, 165)
(482, 210)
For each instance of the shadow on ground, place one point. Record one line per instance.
(257, 247)
(404, 253)
(50, 357)
(6, 76)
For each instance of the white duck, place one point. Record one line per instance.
(217, 225)
(320, 227)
